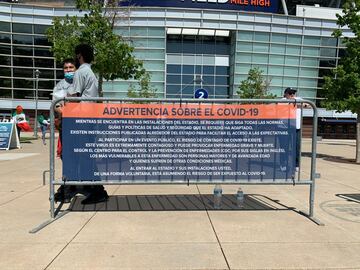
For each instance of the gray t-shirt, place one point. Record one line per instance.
(62, 89)
(85, 82)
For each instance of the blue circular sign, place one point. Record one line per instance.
(201, 93)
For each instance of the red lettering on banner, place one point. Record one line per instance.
(239, 2)
(262, 3)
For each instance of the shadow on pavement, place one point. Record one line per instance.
(350, 197)
(193, 202)
(331, 158)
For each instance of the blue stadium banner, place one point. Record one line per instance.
(178, 142)
(248, 5)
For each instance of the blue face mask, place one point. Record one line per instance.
(69, 76)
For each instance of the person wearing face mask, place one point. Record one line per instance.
(63, 89)
(86, 85)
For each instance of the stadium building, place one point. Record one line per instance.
(187, 45)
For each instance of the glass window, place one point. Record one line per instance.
(290, 82)
(23, 39)
(328, 52)
(208, 69)
(291, 71)
(173, 89)
(245, 35)
(198, 69)
(5, 26)
(308, 82)
(243, 68)
(44, 95)
(41, 40)
(244, 57)
(188, 44)
(173, 79)
(173, 68)
(292, 60)
(5, 60)
(221, 80)
(174, 44)
(276, 59)
(280, 38)
(328, 42)
(258, 47)
(20, 50)
(138, 31)
(293, 50)
(23, 61)
(5, 38)
(311, 40)
(24, 94)
(264, 37)
(40, 29)
(22, 72)
(155, 43)
(209, 80)
(20, 83)
(309, 72)
(276, 70)
(222, 91)
(186, 79)
(311, 51)
(156, 32)
(222, 71)
(294, 39)
(174, 59)
(277, 81)
(188, 69)
(43, 62)
(46, 84)
(4, 71)
(5, 49)
(312, 62)
(22, 28)
(277, 48)
(244, 46)
(154, 65)
(155, 54)
(260, 58)
(5, 93)
(5, 83)
(209, 60)
(42, 52)
(46, 73)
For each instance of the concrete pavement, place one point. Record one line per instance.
(172, 230)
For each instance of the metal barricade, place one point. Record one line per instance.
(212, 102)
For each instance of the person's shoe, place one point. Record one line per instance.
(96, 197)
(64, 195)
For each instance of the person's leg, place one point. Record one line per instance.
(43, 133)
(18, 131)
(298, 142)
(96, 194)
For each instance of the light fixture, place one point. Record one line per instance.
(190, 31)
(222, 33)
(206, 32)
(173, 31)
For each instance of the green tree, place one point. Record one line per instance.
(145, 89)
(113, 56)
(342, 89)
(255, 86)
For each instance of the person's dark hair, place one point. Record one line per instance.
(290, 91)
(86, 51)
(68, 60)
